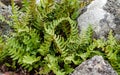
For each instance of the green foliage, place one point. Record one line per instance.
(39, 40)
(45, 38)
(1, 49)
(111, 49)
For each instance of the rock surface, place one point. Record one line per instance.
(103, 16)
(4, 27)
(94, 66)
(8, 2)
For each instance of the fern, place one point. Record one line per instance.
(112, 51)
(27, 46)
(110, 47)
(35, 39)
(45, 36)
(3, 52)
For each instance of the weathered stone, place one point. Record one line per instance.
(4, 27)
(103, 16)
(94, 66)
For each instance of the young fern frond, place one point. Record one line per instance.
(15, 12)
(44, 47)
(59, 43)
(112, 47)
(50, 35)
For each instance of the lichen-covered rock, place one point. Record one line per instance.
(94, 66)
(113, 7)
(103, 16)
(6, 12)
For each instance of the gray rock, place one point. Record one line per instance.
(94, 66)
(4, 27)
(103, 16)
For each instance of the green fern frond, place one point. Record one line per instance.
(59, 43)
(3, 52)
(53, 64)
(112, 47)
(44, 47)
